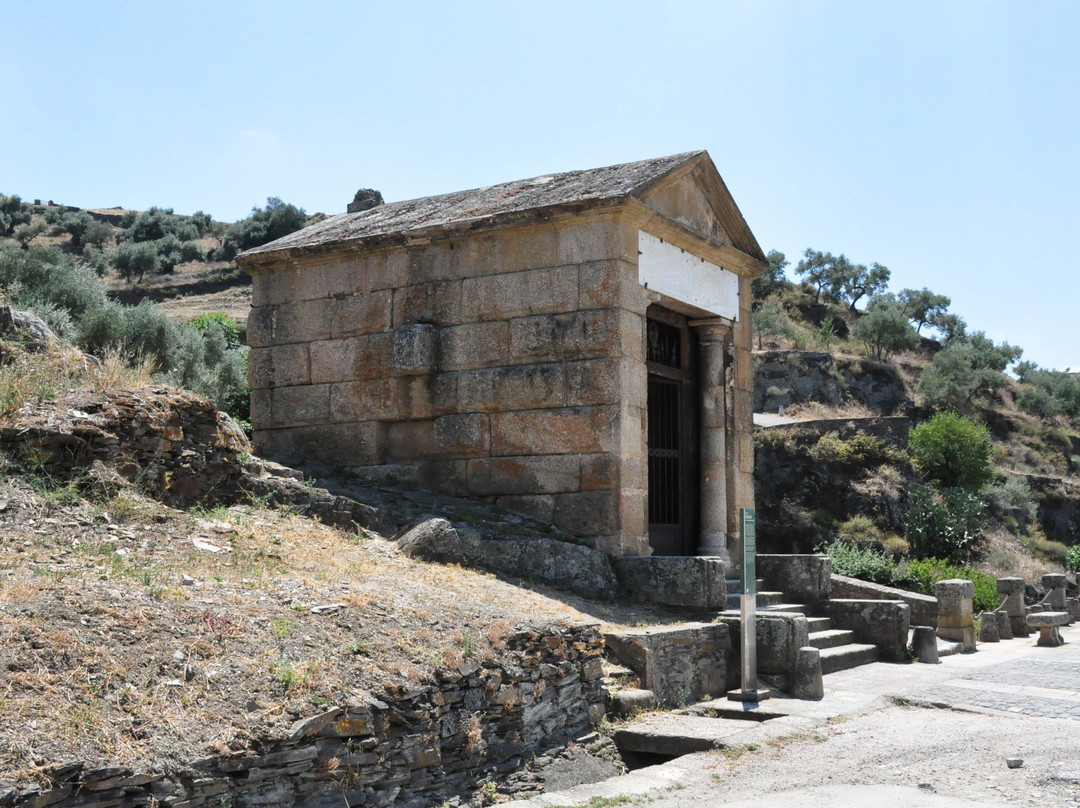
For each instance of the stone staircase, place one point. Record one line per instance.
(839, 651)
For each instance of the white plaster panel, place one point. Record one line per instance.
(673, 272)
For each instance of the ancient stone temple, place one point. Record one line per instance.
(573, 346)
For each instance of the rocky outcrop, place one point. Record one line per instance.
(561, 564)
(782, 378)
(26, 329)
(172, 443)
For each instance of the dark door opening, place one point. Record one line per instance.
(672, 434)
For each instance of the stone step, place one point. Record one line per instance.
(735, 584)
(847, 656)
(831, 638)
(764, 599)
(818, 624)
(786, 607)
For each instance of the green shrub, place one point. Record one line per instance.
(952, 450)
(135, 259)
(1072, 558)
(865, 563)
(860, 530)
(1012, 500)
(264, 225)
(13, 213)
(946, 522)
(885, 329)
(858, 451)
(928, 571)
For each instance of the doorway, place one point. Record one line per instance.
(671, 361)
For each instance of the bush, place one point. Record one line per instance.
(858, 451)
(866, 564)
(1012, 499)
(953, 451)
(964, 369)
(929, 571)
(946, 522)
(861, 530)
(1072, 559)
(13, 213)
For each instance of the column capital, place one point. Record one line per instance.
(714, 329)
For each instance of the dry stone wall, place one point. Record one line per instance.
(418, 748)
(500, 364)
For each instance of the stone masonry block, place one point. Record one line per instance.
(520, 387)
(492, 476)
(588, 513)
(462, 435)
(538, 506)
(356, 359)
(607, 284)
(371, 400)
(361, 314)
(331, 279)
(428, 396)
(517, 294)
(415, 349)
(437, 303)
(577, 335)
(600, 472)
(591, 240)
(532, 247)
(570, 430)
(474, 345)
(361, 443)
(274, 287)
(284, 365)
(298, 406)
(304, 321)
(260, 327)
(261, 412)
(409, 440)
(443, 475)
(594, 381)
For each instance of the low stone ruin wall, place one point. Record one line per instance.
(924, 608)
(679, 664)
(805, 578)
(884, 623)
(419, 749)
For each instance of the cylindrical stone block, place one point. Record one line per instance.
(924, 641)
(1054, 584)
(806, 682)
(988, 627)
(1004, 622)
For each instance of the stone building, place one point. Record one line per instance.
(573, 346)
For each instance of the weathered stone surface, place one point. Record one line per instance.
(806, 682)
(678, 663)
(883, 623)
(433, 540)
(924, 608)
(26, 328)
(629, 701)
(806, 578)
(788, 377)
(956, 617)
(924, 643)
(696, 582)
(988, 627)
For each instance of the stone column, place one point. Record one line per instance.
(1054, 584)
(956, 617)
(712, 336)
(1012, 589)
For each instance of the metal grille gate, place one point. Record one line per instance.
(672, 406)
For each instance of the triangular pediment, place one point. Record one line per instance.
(694, 195)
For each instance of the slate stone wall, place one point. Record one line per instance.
(419, 749)
(505, 364)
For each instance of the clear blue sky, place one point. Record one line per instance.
(937, 138)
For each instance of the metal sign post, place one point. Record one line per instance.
(748, 609)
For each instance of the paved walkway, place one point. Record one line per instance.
(1013, 677)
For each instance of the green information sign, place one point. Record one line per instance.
(748, 534)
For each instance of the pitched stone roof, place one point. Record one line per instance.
(462, 210)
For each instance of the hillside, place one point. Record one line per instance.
(850, 383)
